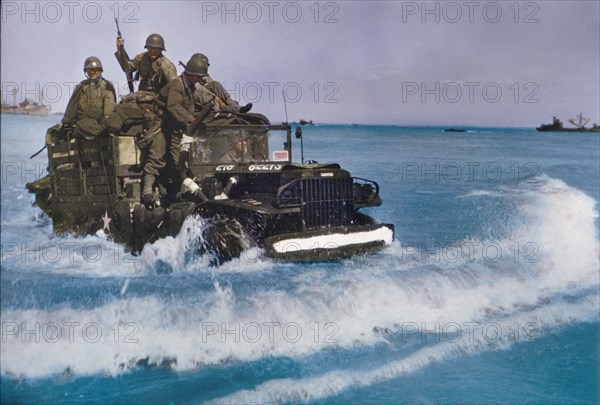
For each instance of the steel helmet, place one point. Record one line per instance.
(91, 63)
(155, 41)
(197, 66)
(201, 56)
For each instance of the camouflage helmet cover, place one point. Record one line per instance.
(91, 63)
(155, 41)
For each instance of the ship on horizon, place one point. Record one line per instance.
(579, 123)
(27, 107)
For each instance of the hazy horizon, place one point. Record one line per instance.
(484, 64)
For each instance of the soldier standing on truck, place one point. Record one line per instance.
(154, 71)
(180, 113)
(92, 101)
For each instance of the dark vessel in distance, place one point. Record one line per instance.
(579, 124)
(27, 107)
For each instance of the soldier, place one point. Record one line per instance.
(210, 90)
(93, 100)
(236, 152)
(179, 114)
(154, 70)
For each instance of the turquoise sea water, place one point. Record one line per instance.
(490, 293)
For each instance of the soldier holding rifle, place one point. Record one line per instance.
(153, 69)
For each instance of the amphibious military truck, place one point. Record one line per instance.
(242, 181)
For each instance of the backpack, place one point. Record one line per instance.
(139, 108)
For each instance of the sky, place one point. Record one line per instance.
(470, 63)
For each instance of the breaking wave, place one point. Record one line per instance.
(541, 276)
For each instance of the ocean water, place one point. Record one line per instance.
(489, 294)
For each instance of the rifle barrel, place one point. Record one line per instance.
(128, 75)
(118, 30)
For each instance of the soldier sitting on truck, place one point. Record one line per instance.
(92, 102)
(209, 90)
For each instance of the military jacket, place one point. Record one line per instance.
(178, 97)
(90, 100)
(217, 89)
(153, 75)
(230, 157)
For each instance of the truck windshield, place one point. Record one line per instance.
(229, 145)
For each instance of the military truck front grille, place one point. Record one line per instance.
(326, 201)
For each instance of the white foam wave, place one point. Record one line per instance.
(334, 382)
(341, 309)
(180, 254)
(479, 193)
(173, 251)
(90, 255)
(98, 256)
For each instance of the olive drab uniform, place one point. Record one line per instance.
(211, 91)
(141, 107)
(178, 98)
(208, 89)
(153, 75)
(91, 103)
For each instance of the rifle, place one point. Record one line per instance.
(206, 109)
(128, 74)
(38, 152)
